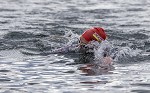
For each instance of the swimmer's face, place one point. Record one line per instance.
(83, 41)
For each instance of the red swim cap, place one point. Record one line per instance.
(96, 33)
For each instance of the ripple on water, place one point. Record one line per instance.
(141, 84)
(136, 9)
(7, 10)
(141, 91)
(4, 80)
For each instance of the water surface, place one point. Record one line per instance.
(37, 26)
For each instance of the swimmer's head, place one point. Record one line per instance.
(96, 34)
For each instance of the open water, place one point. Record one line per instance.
(38, 26)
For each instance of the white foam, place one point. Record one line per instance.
(106, 47)
(100, 48)
(72, 37)
(125, 53)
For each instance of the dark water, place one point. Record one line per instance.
(37, 26)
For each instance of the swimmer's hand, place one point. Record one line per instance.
(107, 61)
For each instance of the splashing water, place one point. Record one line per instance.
(70, 46)
(100, 50)
(72, 37)
(107, 49)
(125, 53)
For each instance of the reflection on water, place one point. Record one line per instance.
(96, 69)
(94, 82)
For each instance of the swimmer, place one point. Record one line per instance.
(94, 34)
